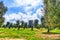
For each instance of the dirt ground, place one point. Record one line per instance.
(44, 36)
(11, 39)
(53, 36)
(47, 36)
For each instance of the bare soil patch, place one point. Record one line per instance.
(48, 36)
(11, 39)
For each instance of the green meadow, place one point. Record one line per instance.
(27, 34)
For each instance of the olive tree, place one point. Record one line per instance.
(3, 10)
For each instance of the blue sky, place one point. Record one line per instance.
(23, 10)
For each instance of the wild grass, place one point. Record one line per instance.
(27, 34)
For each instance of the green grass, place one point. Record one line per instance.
(56, 31)
(5, 32)
(27, 33)
(14, 33)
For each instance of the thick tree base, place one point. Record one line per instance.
(48, 30)
(31, 29)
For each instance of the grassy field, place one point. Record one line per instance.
(27, 34)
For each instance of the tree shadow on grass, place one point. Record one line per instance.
(50, 33)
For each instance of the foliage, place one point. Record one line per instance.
(25, 25)
(36, 23)
(31, 24)
(7, 24)
(22, 23)
(52, 14)
(3, 10)
(18, 24)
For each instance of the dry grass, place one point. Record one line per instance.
(11, 39)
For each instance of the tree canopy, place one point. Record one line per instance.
(3, 10)
(52, 14)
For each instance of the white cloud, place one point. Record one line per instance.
(40, 12)
(20, 16)
(28, 5)
(33, 3)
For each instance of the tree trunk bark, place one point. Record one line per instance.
(32, 28)
(18, 27)
(9, 27)
(48, 30)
